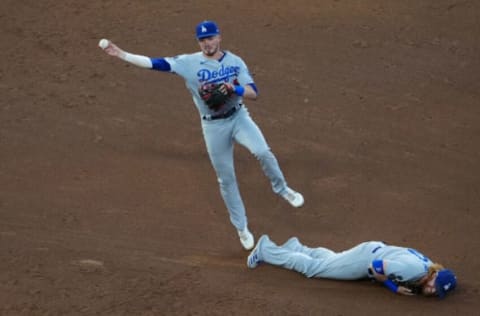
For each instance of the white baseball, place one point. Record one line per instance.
(103, 43)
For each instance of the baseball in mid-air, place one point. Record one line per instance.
(103, 43)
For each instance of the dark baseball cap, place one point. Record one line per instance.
(445, 282)
(207, 29)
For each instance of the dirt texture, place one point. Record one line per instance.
(109, 204)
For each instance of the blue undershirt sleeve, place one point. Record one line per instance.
(160, 64)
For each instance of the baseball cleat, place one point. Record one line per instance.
(254, 259)
(294, 198)
(246, 238)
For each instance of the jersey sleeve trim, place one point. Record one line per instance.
(160, 64)
(254, 87)
(377, 265)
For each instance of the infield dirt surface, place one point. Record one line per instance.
(109, 204)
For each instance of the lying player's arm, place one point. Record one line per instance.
(378, 269)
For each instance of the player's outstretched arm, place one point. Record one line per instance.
(113, 50)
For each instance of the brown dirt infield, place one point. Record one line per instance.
(109, 205)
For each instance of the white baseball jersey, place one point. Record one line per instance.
(197, 70)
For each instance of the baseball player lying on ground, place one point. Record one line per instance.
(402, 270)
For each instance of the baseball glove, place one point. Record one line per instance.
(215, 95)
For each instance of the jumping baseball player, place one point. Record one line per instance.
(402, 270)
(219, 81)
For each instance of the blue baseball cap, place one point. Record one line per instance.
(207, 29)
(445, 282)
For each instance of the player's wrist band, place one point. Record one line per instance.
(239, 90)
(391, 286)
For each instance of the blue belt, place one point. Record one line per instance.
(223, 115)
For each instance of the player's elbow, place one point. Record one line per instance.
(251, 92)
